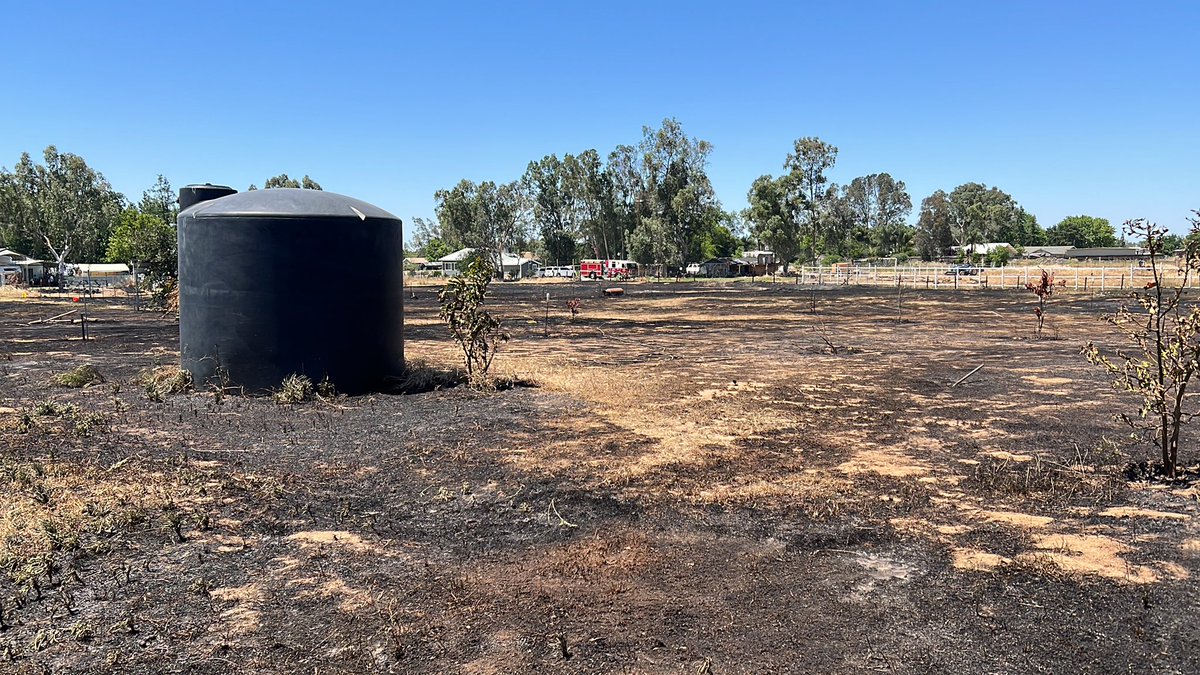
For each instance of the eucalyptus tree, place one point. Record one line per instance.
(772, 215)
(879, 204)
(807, 165)
(62, 208)
(933, 237)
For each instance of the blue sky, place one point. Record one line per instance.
(1071, 107)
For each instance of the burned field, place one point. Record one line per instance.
(713, 479)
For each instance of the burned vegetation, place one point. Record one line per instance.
(707, 478)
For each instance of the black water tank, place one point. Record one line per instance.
(194, 194)
(282, 281)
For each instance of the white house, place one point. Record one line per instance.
(513, 267)
(983, 249)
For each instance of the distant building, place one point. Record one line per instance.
(512, 267)
(1091, 253)
(28, 270)
(983, 249)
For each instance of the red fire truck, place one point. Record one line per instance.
(607, 269)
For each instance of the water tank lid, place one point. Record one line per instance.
(288, 203)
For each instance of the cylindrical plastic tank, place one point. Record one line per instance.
(281, 281)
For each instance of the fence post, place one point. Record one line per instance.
(1102, 278)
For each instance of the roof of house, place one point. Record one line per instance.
(17, 258)
(983, 249)
(414, 260)
(100, 268)
(506, 259)
(1105, 252)
(1031, 251)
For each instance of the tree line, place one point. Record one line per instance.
(654, 203)
(651, 201)
(62, 210)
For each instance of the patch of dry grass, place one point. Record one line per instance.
(164, 381)
(77, 378)
(421, 376)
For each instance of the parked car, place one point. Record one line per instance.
(963, 269)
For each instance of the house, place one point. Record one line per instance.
(983, 249)
(513, 267)
(1047, 251)
(716, 267)
(757, 263)
(28, 270)
(1106, 253)
(1091, 253)
(415, 264)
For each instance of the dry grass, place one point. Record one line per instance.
(295, 389)
(421, 376)
(77, 378)
(164, 381)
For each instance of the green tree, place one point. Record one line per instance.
(283, 181)
(146, 242)
(160, 201)
(484, 216)
(772, 217)
(677, 189)
(807, 164)
(933, 236)
(1022, 231)
(979, 214)
(1082, 232)
(58, 209)
(880, 204)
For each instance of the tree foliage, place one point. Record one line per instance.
(475, 330)
(283, 181)
(1083, 232)
(772, 217)
(1164, 337)
(160, 201)
(483, 216)
(978, 214)
(807, 164)
(145, 241)
(879, 204)
(934, 237)
(57, 209)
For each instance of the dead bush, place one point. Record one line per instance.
(164, 381)
(83, 376)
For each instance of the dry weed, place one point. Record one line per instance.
(163, 381)
(83, 376)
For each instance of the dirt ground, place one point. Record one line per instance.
(732, 478)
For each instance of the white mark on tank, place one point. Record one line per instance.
(360, 213)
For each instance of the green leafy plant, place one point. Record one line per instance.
(1164, 334)
(475, 330)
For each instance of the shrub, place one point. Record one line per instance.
(475, 330)
(295, 388)
(1165, 336)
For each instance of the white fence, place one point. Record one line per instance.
(1082, 278)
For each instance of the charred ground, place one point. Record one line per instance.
(723, 479)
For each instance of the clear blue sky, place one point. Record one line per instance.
(1071, 107)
